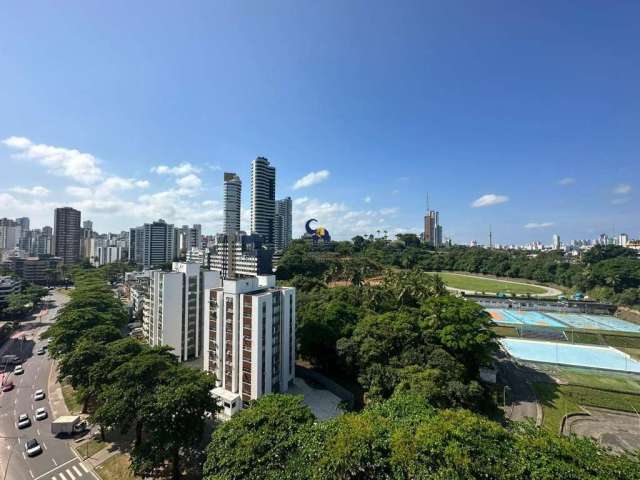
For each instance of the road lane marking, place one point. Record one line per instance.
(54, 469)
(86, 470)
(24, 456)
(62, 476)
(68, 472)
(38, 431)
(54, 461)
(75, 469)
(43, 444)
(31, 473)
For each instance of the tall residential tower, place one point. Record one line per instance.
(66, 234)
(283, 224)
(263, 199)
(232, 201)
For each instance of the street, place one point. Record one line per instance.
(57, 461)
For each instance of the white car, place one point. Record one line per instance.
(39, 395)
(24, 421)
(32, 447)
(18, 370)
(41, 414)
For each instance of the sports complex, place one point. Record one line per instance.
(569, 338)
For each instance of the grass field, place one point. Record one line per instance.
(488, 285)
(502, 331)
(90, 448)
(71, 399)
(585, 387)
(116, 468)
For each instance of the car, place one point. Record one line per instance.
(18, 370)
(24, 421)
(7, 387)
(32, 447)
(41, 351)
(39, 394)
(41, 413)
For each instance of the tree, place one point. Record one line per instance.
(257, 442)
(174, 422)
(131, 388)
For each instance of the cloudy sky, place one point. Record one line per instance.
(524, 117)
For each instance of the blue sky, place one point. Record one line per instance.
(533, 107)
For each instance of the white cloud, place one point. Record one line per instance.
(37, 191)
(566, 181)
(79, 191)
(189, 181)
(489, 199)
(66, 162)
(181, 170)
(620, 200)
(142, 183)
(312, 178)
(367, 199)
(622, 189)
(539, 225)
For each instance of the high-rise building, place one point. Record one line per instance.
(10, 233)
(187, 238)
(249, 339)
(24, 240)
(66, 234)
(556, 242)
(239, 255)
(40, 242)
(88, 225)
(152, 244)
(263, 199)
(623, 239)
(173, 309)
(283, 224)
(432, 229)
(232, 202)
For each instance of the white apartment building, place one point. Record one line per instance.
(249, 339)
(173, 309)
(240, 255)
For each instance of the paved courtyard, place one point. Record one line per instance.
(617, 430)
(322, 403)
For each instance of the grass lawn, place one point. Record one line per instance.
(584, 337)
(622, 341)
(116, 468)
(505, 331)
(90, 448)
(71, 398)
(583, 390)
(488, 285)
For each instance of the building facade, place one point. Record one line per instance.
(432, 229)
(249, 339)
(283, 224)
(263, 199)
(8, 285)
(10, 233)
(173, 309)
(240, 255)
(66, 234)
(232, 202)
(152, 244)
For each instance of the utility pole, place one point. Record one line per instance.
(490, 238)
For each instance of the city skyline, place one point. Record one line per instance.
(496, 129)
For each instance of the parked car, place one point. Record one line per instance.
(24, 421)
(41, 351)
(7, 387)
(32, 447)
(39, 395)
(41, 413)
(18, 370)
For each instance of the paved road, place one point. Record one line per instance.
(57, 461)
(524, 403)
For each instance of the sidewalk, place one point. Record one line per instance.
(54, 392)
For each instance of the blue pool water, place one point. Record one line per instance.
(561, 320)
(606, 358)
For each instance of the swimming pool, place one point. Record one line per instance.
(606, 358)
(561, 320)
